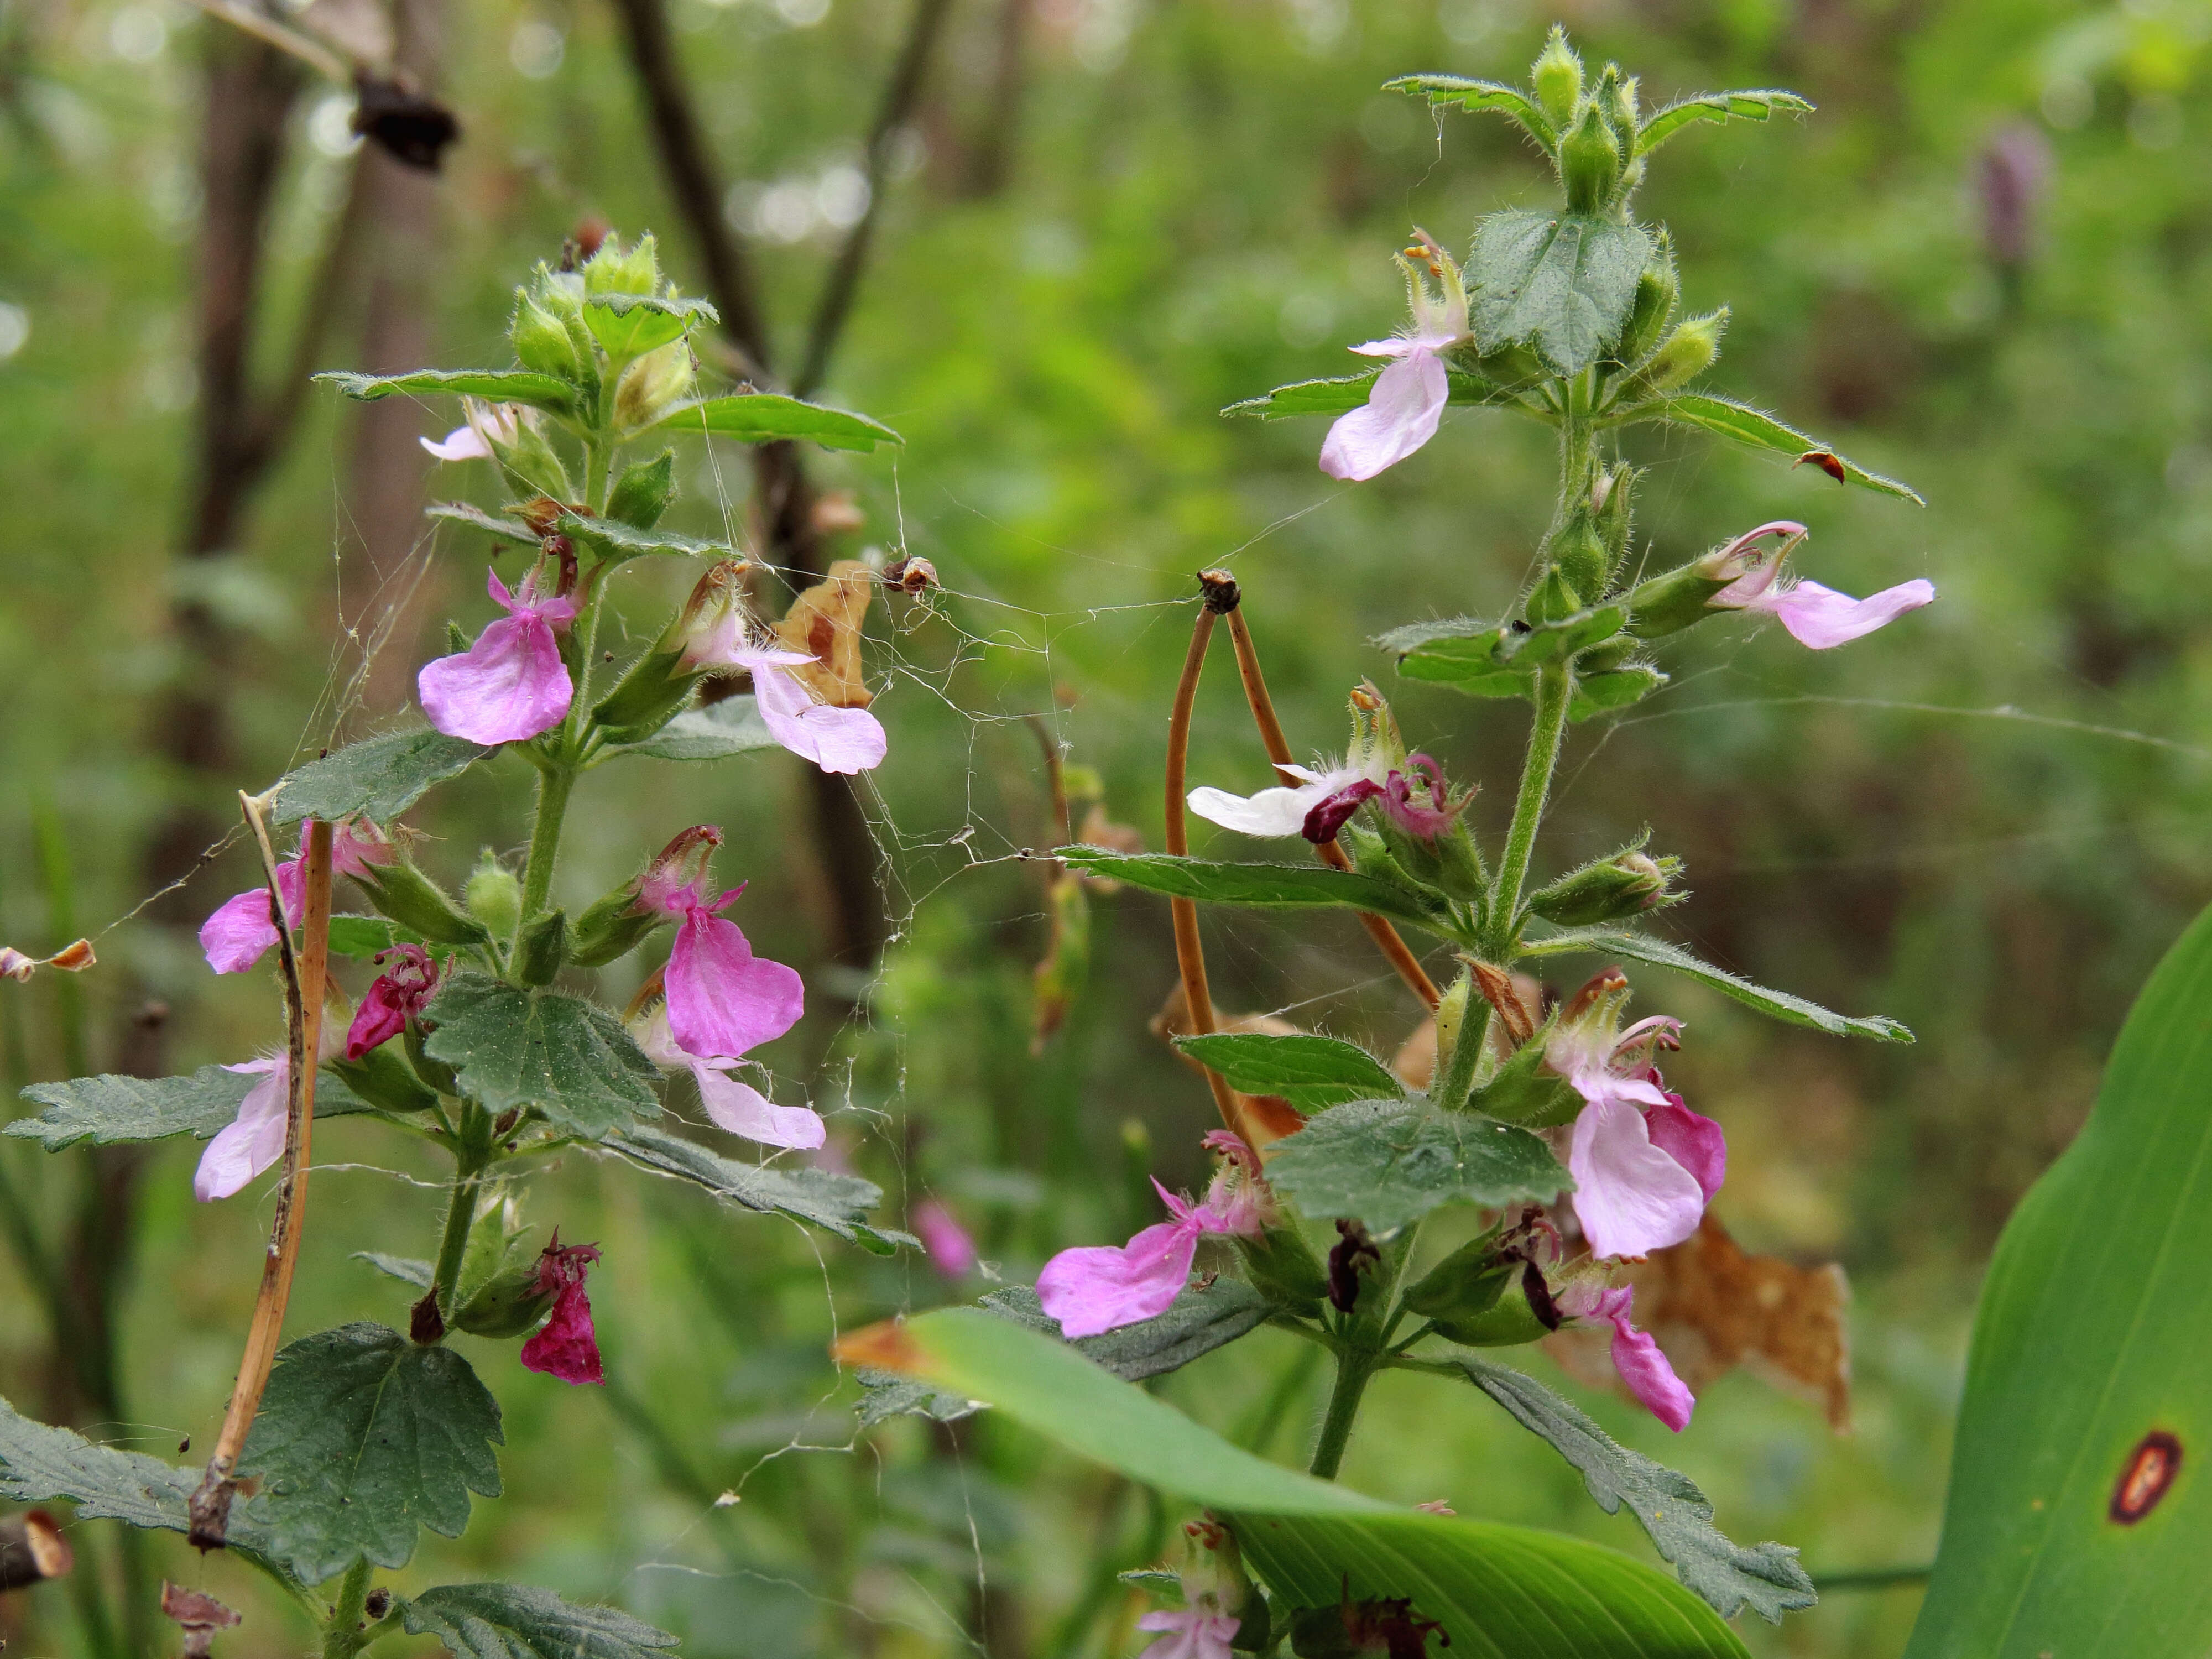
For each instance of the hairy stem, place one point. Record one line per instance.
(342, 1634)
(1555, 690)
(470, 1155)
(553, 784)
(1353, 1371)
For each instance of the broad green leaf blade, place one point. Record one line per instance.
(1301, 886)
(760, 418)
(1667, 1504)
(110, 1110)
(1458, 92)
(2095, 1336)
(1757, 106)
(361, 1437)
(1389, 1162)
(568, 1058)
(1340, 396)
(1309, 1072)
(511, 385)
(1501, 1592)
(477, 519)
(631, 324)
(1561, 281)
(611, 538)
(1496, 659)
(377, 779)
(1204, 1317)
(732, 726)
(520, 1621)
(1610, 941)
(1757, 429)
(835, 1203)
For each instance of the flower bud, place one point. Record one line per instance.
(1688, 352)
(643, 492)
(653, 384)
(1610, 503)
(494, 896)
(1508, 1322)
(400, 890)
(1465, 1284)
(542, 949)
(613, 271)
(1284, 1268)
(646, 698)
(541, 340)
(507, 1304)
(1512, 366)
(382, 1078)
(1627, 883)
(1590, 163)
(712, 623)
(1648, 313)
(1579, 554)
(1554, 598)
(1556, 77)
(1615, 99)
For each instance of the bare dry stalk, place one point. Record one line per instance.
(303, 979)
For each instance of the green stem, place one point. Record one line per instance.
(470, 1153)
(342, 1635)
(1352, 1372)
(1554, 691)
(553, 784)
(596, 459)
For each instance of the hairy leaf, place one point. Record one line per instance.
(1204, 1317)
(520, 1621)
(1339, 396)
(1284, 885)
(2080, 1503)
(1390, 1161)
(1759, 430)
(367, 936)
(611, 538)
(1759, 106)
(361, 1437)
(406, 1269)
(109, 1110)
(1667, 1505)
(477, 519)
(834, 1203)
(511, 385)
(1309, 1072)
(1495, 660)
(1500, 1592)
(1611, 941)
(377, 779)
(568, 1058)
(885, 1395)
(1458, 92)
(631, 324)
(732, 726)
(1561, 282)
(766, 416)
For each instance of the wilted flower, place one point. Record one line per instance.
(254, 1139)
(836, 740)
(1407, 402)
(397, 997)
(240, 930)
(1642, 1367)
(511, 684)
(1818, 618)
(488, 423)
(566, 1346)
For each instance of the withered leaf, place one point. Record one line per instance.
(825, 622)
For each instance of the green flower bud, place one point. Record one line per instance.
(541, 950)
(1525, 1090)
(1578, 553)
(541, 340)
(1554, 599)
(1611, 500)
(1283, 1266)
(1625, 884)
(1509, 1322)
(653, 385)
(1590, 163)
(643, 492)
(1688, 352)
(1466, 1282)
(382, 1078)
(1656, 290)
(1556, 76)
(613, 271)
(1615, 99)
(1460, 873)
(507, 1304)
(401, 891)
(494, 896)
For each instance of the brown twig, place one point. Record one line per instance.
(303, 979)
(1386, 937)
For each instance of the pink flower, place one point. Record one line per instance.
(736, 1107)
(722, 1000)
(241, 928)
(1642, 1367)
(511, 684)
(1192, 1633)
(487, 422)
(1102, 1287)
(1818, 618)
(952, 1252)
(1408, 399)
(836, 740)
(566, 1346)
(1403, 792)
(1644, 1164)
(254, 1139)
(397, 997)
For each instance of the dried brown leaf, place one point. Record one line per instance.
(825, 622)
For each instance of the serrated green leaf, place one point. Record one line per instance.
(511, 385)
(520, 1621)
(1500, 1592)
(1667, 1505)
(768, 417)
(1309, 1072)
(732, 726)
(406, 1269)
(631, 324)
(1390, 1161)
(514, 1048)
(1757, 429)
(1560, 282)
(1616, 688)
(611, 538)
(1202, 1318)
(1612, 941)
(477, 519)
(1757, 106)
(885, 1395)
(1300, 886)
(2095, 1336)
(834, 1203)
(1458, 92)
(109, 1110)
(1339, 396)
(361, 1437)
(377, 779)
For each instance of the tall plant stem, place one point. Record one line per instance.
(1353, 1371)
(460, 1212)
(1555, 690)
(342, 1635)
(553, 784)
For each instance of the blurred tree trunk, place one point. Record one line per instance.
(990, 159)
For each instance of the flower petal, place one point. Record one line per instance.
(235, 937)
(1100, 1287)
(565, 1346)
(836, 740)
(1820, 618)
(1694, 1141)
(1400, 416)
(1642, 1367)
(1192, 1634)
(1277, 812)
(722, 1000)
(1631, 1197)
(511, 684)
(463, 443)
(744, 1110)
(952, 1252)
(253, 1140)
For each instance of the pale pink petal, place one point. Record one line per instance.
(743, 1111)
(1631, 1197)
(952, 1252)
(1820, 618)
(1693, 1141)
(1396, 346)
(463, 443)
(253, 1140)
(511, 684)
(1642, 1367)
(235, 937)
(1400, 414)
(722, 998)
(836, 740)
(1099, 1287)
(357, 846)
(1191, 1634)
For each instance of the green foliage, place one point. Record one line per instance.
(361, 1437)
(644, 491)
(1717, 106)
(1340, 395)
(1309, 1072)
(557, 1054)
(730, 727)
(1560, 282)
(1460, 92)
(1285, 886)
(513, 386)
(758, 417)
(377, 779)
(109, 1110)
(520, 1621)
(1669, 1506)
(612, 539)
(628, 326)
(1499, 661)
(1388, 1162)
(1204, 1317)
(2068, 1528)
(477, 519)
(834, 1203)
(1756, 429)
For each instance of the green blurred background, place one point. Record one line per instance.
(1984, 266)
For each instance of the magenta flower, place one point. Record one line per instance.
(1102, 1287)
(566, 1346)
(722, 1000)
(1644, 1164)
(511, 684)
(952, 1252)
(1642, 1367)
(735, 1106)
(1191, 1633)
(1818, 618)
(241, 929)
(1403, 793)
(1407, 402)
(397, 997)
